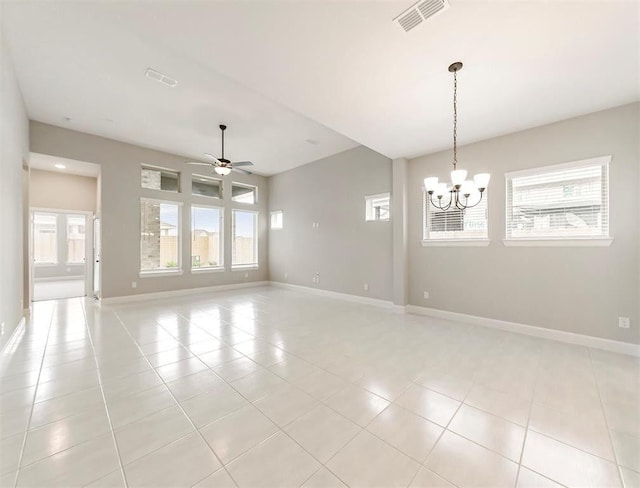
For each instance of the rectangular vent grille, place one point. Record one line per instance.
(161, 78)
(420, 12)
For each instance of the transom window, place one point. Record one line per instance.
(159, 179)
(558, 202)
(206, 187)
(244, 193)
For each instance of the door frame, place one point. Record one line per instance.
(88, 243)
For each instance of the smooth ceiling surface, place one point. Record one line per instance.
(345, 65)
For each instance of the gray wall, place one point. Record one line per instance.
(347, 251)
(119, 206)
(63, 191)
(14, 151)
(581, 290)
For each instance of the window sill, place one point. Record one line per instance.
(206, 270)
(576, 242)
(241, 267)
(45, 265)
(455, 242)
(164, 272)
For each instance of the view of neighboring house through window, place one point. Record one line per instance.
(45, 238)
(562, 201)
(377, 207)
(159, 179)
(206, 238)
(277, 219)
(455, 224)
(243, 193)
(206, 187)
(76, 247)
(159, 235)
(244, 238)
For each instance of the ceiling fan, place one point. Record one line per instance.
(221, 165)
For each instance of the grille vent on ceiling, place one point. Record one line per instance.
(157, 76)
(420, 12)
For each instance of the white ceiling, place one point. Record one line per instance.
(47, 162)
(342, 64)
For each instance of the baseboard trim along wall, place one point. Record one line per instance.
(180, 293)
(12, 338)
(530, 330)
(334, 294)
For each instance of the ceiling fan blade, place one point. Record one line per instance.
(243, 163)
(198, 163)
(239, 170)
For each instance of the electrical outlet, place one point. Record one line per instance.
(246, 275)
(134, 284)
(624, 322)
(366, 287)
(286, 275)
(426, 295)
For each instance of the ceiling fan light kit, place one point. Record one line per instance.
(221, 165)
(462, 192)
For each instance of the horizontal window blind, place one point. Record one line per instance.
(456, 224)
(568, 202)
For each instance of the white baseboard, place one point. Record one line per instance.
(334, 294)
(21, 324)
(179, 293)
(531, 330)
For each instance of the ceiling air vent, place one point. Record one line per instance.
(419, 12)
(157, 76)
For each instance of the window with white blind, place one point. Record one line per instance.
(565, 201)
(454, 224)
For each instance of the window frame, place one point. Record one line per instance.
(472, 241)
(256, 265)
(66, 221)
(596, 240)
(44, 264)
(271, 215)
(369, 198)
(207, 269)
(207, 178)
(245, 185)
(178, 270)
(178, 173)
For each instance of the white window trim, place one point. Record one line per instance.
(271, 227)
(386, 194)
(255, 265)
(458, 241)
(563, 241)
(162, 271)
(245, 185)
(205, 269)
(208, 178)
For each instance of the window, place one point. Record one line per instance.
(243, 193)
(206, 187)
(159, 235)
(377, 207)
(160, 179)
(559, 202)
(244, 252)
(76, 239)
(206, 238)
(276, 219)
(45, 238)
(453, 224)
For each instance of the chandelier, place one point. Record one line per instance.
(462, 193)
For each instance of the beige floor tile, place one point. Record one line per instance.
(357, 405)
(172, 371)
(286, 405)
(130, 408)
(181, 463)
(495, 433)
(236, 369)
(567, 465)
(631, 479)
(219, 479)
(112, 480)
(258, 384)
(277, 462)
(10, 448)
(426, 478)
(320, 384)
(530, 479)
(194, 384)
(506, 405)
(323, 478)
(211, 405)
(428, 404)
(407, 432)
(367, 461)
(238, 432)
(627, 449)
(465, 463)
(322, 432)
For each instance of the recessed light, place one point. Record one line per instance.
(59, 166)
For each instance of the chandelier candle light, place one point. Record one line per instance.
(460, 189)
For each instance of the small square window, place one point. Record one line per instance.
(377, 207)
(244, 193)
(160, 179)
(276, 219)
(206, 187)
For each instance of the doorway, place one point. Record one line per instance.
(61, 246)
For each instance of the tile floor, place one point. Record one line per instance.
(56, 289)
(269, 387)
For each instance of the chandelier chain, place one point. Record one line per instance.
(455, 119)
